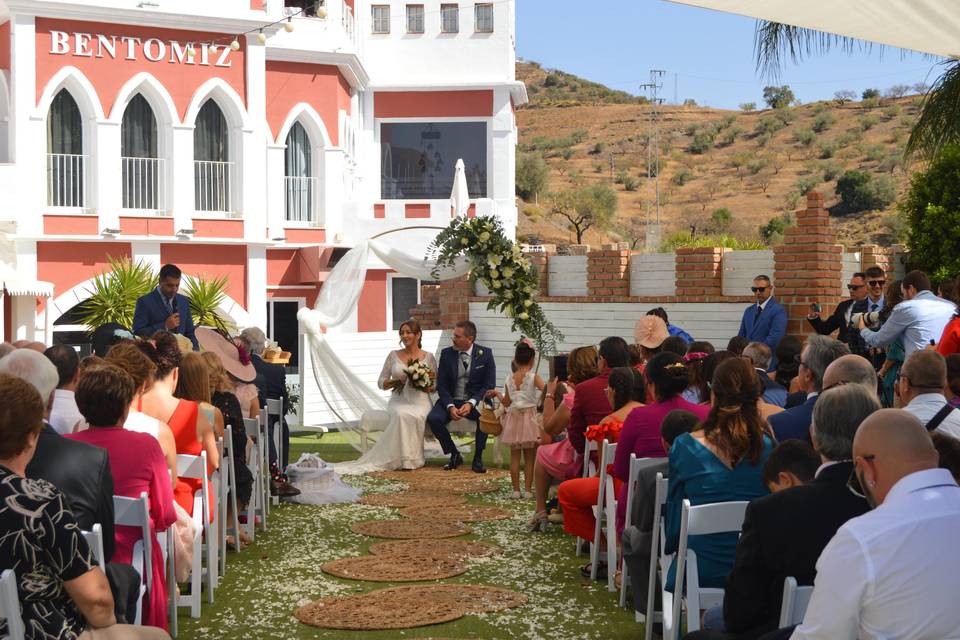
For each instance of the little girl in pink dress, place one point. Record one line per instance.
(521, 429)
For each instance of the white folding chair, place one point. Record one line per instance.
(229, 497)
(256, 507)
(94, 539)
(605, 517)
(659, 564)
(135, 512)
(704, 519)
(220, 482)
(794, 604)
(632, 476)
(589, 469)
(274, 409)
(195, 467)
(10, 605)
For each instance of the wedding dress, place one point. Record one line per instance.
(401, 445)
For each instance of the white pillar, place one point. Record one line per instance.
(257, 284)
(181, 173)
(275, 186)
(501, 160)
(252, 157)
(105, 174)
(28, 127)
(47, 321)
(334, 175)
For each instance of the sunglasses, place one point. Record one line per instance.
(758, 289)
(877, 283)
(853, 482)
(854, 287)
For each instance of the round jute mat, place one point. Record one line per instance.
(452, 548)
(457, 513)
(410, 529)
(413, 499)
(471, 598)
(437, 473)
(363, 613)
(396, 567)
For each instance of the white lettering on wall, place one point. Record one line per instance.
(132, 48)
(59, 43)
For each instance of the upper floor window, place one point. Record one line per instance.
(66, 163)
(418, 159)
(380, 17)
(414, 18)
(449, 18)
(306, 7)
(141, 164)
(211, 154)
(302, 187)
(483, 18)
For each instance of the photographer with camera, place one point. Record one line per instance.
(845, 316)
(919, 319)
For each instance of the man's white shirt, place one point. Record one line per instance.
(926, 405)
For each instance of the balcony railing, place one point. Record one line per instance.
(303, 200)
(65, 180)
(212, 185)
(143, 184)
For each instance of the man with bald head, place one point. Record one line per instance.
(850, 368)
(923, 377)
(893, 572)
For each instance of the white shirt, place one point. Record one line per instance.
(926, 405)
(894, 572)
(64, 414)
(919, 321)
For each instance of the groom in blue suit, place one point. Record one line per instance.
(163, 309)
(465, 373)
(765, 321)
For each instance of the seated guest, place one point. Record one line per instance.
(852, 369)
(649, 334)
(192, 432)
(674, 344)
(674, 330)
(193, 383)
(625, 392)
(760, 355)
(698, 389)
(952, 391)
(271, 381)
(636, 538)
(788, 361)
(791, 464)
(721, 461)
(920, 389)
(62, 592)
(559, 459)
(6, 349)
(783, 534)
(64, 416)
(736, 345)
(892, 572)
(103, 397)
(249, 389)
(949, 449)
(564, 460)
(817, 354)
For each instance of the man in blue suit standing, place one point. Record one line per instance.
(765, 321)
(163, 309)
(465, 373)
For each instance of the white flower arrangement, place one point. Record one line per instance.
(419, 375)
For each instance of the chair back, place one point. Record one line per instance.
(794, 604)
(589, 468)
(10, 604)
(632, 475)
(135, 512)
(94, 539)
(275, 407)
(719, 517)
(659, 561)
(195, 468)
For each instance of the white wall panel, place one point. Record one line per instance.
(741, 267)
(653, 274)
(567, 275)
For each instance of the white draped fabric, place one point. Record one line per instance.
(336, 302)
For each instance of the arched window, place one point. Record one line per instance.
(301, 184)
(211, 154)
(65, 159)
(142, 168)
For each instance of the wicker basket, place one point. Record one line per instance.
(489, 422)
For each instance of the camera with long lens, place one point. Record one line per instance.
(871, 319)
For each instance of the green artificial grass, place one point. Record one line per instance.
(269, 579)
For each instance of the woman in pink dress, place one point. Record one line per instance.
(137, 464)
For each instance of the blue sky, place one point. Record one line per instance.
(617, 42)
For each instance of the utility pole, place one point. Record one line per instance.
(653, 140)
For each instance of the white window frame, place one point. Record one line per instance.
(380, 14)
(390, 279)
(412, 19)
(477, 8)
(451, 9)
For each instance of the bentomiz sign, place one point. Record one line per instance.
(89, 45)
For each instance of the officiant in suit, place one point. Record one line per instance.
(465, 373)
(163, 309)
(765, 321)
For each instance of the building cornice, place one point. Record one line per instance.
(518, 90)
(131, 238)
(348, 63)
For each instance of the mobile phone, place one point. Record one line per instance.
(815, 307)
(559, 366)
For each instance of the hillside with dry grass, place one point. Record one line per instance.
(754, 164)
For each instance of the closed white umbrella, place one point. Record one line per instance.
(460, 196)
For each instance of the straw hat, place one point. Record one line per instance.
(650, 332)
(210, 340)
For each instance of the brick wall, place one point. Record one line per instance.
(428, 311)
(699, 271)
(608, 272)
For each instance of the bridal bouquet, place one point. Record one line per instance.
(419, 375)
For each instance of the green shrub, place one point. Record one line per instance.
(806, 184)
(778, 97)
(682, 176)
(861, 191)
(533, 175)
(692, 128)
(729, 136)
(869, 122)
(869, 94)
(748, 106)
(721, 217)
(804, 136)
(566, 154)
(891, 111)
(769, 125)
(875, 152)
(830, 170)
(824, 121)
(757, 165)
(630, 183)
(684, 238)
(772, 232)
(827, 149)
(870, 103)
(785, 116)
(727, 121)
(598, 167)
(598, 147)
(701, 143)
(579, 135)
(552, 80)
(764, 140)
(931, 208)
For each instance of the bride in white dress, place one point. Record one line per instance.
(401, 445)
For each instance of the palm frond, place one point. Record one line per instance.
(113, 294)
(774, 42)
(939, 121)
(205, 298)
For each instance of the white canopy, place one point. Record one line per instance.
(928, 26)
(14, 284)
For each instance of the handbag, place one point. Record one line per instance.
(489, 420)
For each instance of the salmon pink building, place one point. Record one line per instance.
(252, 139)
